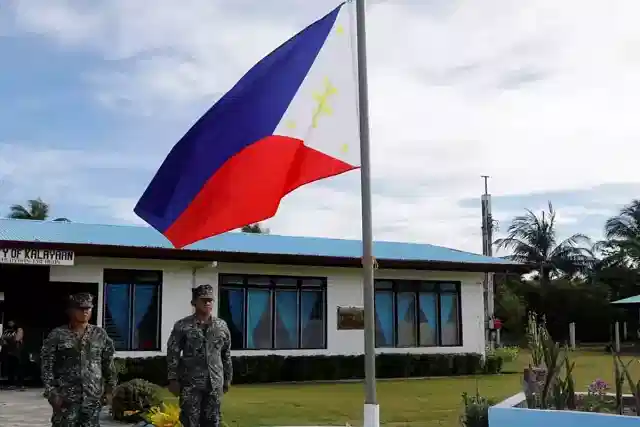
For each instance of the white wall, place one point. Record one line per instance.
(343, 288)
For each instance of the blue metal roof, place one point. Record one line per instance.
(138, 236)
(630, 300)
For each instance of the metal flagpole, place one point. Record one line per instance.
(371, 409)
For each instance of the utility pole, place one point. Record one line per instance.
(487, 223)
(487, 250)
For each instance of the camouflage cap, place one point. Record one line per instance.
(202, 291)
(81, 300)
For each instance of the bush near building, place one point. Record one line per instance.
(273, 369)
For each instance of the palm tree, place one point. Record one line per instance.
(622, 233)
(533, 241)
(36, 209)
(255, 229)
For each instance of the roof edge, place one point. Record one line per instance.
(117, 251)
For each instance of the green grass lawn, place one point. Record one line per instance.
(430, 402)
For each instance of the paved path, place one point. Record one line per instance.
(29, 409)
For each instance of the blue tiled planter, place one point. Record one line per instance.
(509, 414)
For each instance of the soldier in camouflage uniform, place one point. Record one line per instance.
(77, 367)
(199, 362)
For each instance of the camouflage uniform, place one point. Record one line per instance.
(78, 370)
(199, 358)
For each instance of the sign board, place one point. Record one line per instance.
(350, 318)
(36, 256)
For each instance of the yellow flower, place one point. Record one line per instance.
(167, 416)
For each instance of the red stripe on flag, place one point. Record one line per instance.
(249, 186)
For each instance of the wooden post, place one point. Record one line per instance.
(625, 331)
(616, 335)
(572, 335)
(498, 342)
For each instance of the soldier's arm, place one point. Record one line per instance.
(47, 361)
(226, 355)
(174, 347)
(19, 335)
(108, 365)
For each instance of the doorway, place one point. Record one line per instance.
(37, 306)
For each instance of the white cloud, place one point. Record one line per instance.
(66, 178)
(540, 95)
(120, 208)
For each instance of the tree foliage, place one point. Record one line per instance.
(532, 240)
(622, 233)
(255, 229)
(36, 209)
(573, 281)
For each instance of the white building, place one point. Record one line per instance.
(278, 294)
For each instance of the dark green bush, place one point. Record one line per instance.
(153, 369)
(493, 363)
(270, 369)
(133, 398)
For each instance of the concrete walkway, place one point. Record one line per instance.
(29, 409)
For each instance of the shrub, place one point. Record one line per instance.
(270, 369)
(132, 399)
(493, 363)
(508, 353)
(476, 410)
(153, 369)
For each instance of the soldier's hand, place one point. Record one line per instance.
(174, 387)
(107, 398)
(56, 403)
(225, 387)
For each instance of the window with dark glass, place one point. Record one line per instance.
(414, 313)
(131, 314)
(273, 312)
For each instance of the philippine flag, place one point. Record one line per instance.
(289, 121)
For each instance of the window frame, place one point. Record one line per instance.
(131, 283)
(273, 287)
(407, 286)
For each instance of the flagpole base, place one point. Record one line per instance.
(371, 415)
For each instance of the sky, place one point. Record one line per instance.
(540, 95)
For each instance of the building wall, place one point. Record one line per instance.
(343, 289)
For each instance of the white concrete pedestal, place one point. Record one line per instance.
(371, 415)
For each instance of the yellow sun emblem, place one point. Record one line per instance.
(322, 100)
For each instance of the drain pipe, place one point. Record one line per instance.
(193, 276)
(194, 283)
(194, 270)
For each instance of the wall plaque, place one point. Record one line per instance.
(350, 318)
